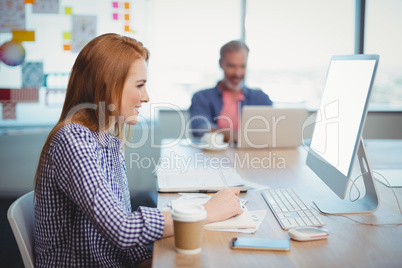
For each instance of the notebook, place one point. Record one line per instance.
(245, 220)
(198, 180)
(270, 127)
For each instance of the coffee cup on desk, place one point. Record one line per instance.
(213, 139)
(188, 224)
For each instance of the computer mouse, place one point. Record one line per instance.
(308, 233)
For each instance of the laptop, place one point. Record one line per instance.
(270, 127)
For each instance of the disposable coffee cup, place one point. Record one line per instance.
(188, 223)
(213, 139)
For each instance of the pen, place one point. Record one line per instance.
(225, 182)
(223, 179)
(206, 191)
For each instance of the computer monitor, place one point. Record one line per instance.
(337, 135)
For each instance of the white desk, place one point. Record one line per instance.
(349, 245)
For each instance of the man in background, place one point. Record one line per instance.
(217, 109)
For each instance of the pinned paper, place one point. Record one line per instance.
(5, 94)
(46, 6)
(115, 16)
(55, 97)
(67, 35)
(67, 41)
(12, 15)
(115, 4)
(21, 35)
(84, 30)
(32, 74)
(127, 5)
(127, 28)
(68, 10)
(67, 47)
(19, 95)
(25, 95)
(126, 16)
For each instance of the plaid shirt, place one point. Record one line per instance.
(83, 217)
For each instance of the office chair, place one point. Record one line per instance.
(21, 218)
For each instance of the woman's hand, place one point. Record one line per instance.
(223, 205)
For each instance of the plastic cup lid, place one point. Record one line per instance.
(188, 212)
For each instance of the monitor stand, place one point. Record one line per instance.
(368, 204)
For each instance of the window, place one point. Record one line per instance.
(184, 39)
(382, 36)
(291, 43)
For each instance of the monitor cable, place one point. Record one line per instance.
(358, 196)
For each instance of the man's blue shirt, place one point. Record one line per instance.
(206, 106)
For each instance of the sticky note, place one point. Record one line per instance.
(29, 1)
(67, 35)
(22, 35)
(67, 47)
(115, 16)
(68, 11)
(127, 28)
(115, 4)
(126, 16)
(127, 5)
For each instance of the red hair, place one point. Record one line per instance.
(96, 84)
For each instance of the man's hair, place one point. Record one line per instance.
(234, 45)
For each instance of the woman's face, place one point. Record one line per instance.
(134, 92)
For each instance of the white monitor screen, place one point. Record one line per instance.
(341, 111)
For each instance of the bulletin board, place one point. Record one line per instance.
(39, 41)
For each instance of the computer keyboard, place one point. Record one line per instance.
(290, 210)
